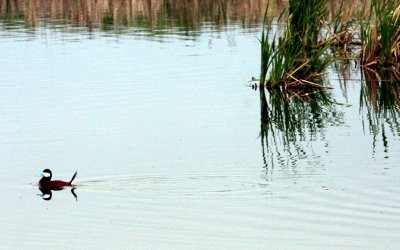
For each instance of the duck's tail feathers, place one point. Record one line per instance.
(73, 177)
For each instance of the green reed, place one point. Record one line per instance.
(305, 21)
(298, 58)
(342, 31)
(380, 35)
(268, 51)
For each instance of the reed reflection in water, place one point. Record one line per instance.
(106, 14)
(291, 121)
(380, 106)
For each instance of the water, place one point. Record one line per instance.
(153, 110)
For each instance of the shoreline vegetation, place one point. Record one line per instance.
(314, 38)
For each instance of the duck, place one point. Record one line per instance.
(46, 181)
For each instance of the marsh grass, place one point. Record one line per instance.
(380, 37)
(268, 50)
(305, 22)
(342, 31)
(298, 59)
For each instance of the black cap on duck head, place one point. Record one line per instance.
(46, 174)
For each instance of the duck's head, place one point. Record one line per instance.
(46, 174)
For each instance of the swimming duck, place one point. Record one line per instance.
(46, 181)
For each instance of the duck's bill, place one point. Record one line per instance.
(44, 175)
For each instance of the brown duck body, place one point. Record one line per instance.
(53, 184)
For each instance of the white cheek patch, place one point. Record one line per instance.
(46, 196)
(46, 174)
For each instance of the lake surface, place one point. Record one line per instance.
(149, 101)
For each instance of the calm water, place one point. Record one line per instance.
(149, 102)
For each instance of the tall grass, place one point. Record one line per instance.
(297, 60)
(342, 30)
(268, 51)
(300, 56)
(380, 36)
(305, 21)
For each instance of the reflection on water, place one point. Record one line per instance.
(158, 17)
(109, 15)
(380, 106)
(291, 120)
(47, 193)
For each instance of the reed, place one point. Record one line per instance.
(268, 50)
(342, 31)
(299, 58)
(305, 21)
(380, 36)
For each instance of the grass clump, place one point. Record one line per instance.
(342, 30)
(299, 56)
(298, 59)
(380, 36)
